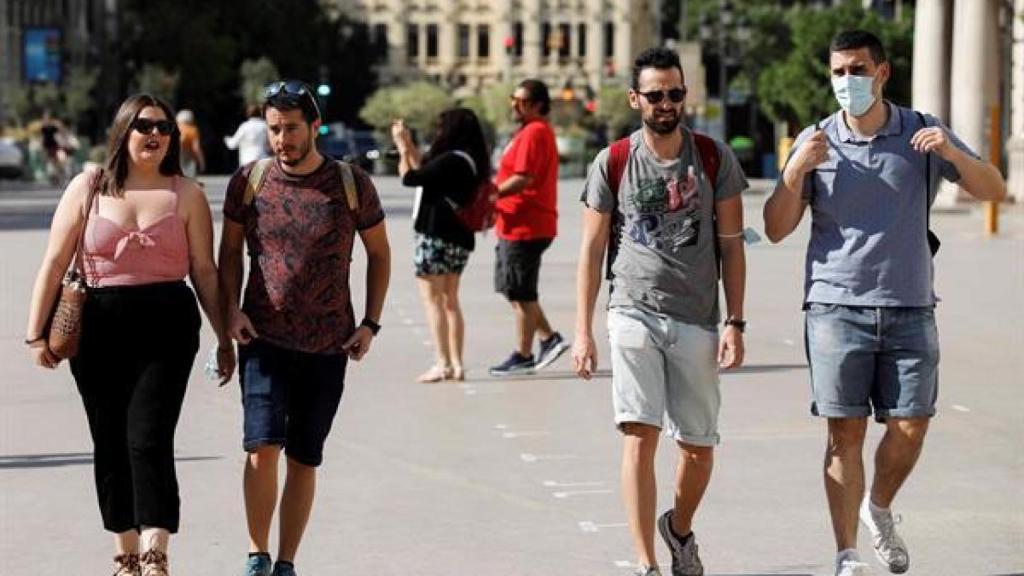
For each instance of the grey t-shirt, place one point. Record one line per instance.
(868, 243)
(666, 260)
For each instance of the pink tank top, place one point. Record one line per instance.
(118, 256)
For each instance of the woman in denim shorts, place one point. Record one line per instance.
(447, 178)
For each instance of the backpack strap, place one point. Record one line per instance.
(255, 180)
(618, 157)
(933, 240)
(348, 181)
(710, 161)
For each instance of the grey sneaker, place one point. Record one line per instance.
(647, 571)
(849, 567)
(889, 547)
(685, 561)
(257, 566)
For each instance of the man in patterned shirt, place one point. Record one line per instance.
(298, 213)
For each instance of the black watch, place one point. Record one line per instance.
(738, 323)
(373, 326)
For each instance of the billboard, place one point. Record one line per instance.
(42, 54)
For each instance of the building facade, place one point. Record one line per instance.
(969, 71)
(467, 45)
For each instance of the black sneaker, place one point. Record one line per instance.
(551, 349)
(516, 364)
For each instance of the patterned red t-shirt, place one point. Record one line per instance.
(299, 232)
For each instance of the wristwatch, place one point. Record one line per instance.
(373, 326)
(739, 323)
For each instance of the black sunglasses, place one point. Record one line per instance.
(675, 95)
(145, 126)
(291, 92)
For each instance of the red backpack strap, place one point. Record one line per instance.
(709, 157)
(618, 156)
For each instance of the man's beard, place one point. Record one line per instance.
(304, 151)
(664, 125)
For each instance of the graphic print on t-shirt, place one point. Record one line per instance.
(667, 212)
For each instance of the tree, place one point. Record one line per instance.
(158, 81)
(78, 97)
(418, 104)
(255, 75)
(614, 112)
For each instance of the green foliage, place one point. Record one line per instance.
(418, 104)
(613, 110)
(255, 75)
(158, 81)
(78, 92)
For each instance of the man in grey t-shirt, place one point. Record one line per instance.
(869, 173)
(676, 217)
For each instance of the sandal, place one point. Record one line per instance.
(153, 563)
(435, 373)
(458, 374)
(127, 564)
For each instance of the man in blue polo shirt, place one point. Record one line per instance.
(869, 172)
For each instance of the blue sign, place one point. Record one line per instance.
(42, 51)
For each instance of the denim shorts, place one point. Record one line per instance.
(866, 359)
(665, 371)
(517, 268)
(289, 398)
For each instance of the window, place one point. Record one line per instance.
(564, 41)
(483, 41)
(519, 39)
(412, 41)
(609, 39)
(545, 40)
(581, 40)
(431, 40)
(462, 41)
(380, 42)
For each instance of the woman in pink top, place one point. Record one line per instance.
(148, 228)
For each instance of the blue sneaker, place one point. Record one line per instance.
(516, 364)
(284, 569)
(551, 349)
(258, 565)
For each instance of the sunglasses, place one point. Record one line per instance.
(513, 99)
(291, 92)
(145, 126)
(675, 95)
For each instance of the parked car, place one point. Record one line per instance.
(12, 159)
(356, 146)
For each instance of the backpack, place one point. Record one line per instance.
(618, 156)
(259, 171)
(477, 214)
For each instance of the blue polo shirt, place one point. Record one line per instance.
(868, 244)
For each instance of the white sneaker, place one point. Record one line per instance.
(850, 567)
(888, 545)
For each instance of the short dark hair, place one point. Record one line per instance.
(857, 39)
(659, 58)
(538, 94)
(287, 101)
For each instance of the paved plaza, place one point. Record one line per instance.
(519, 476)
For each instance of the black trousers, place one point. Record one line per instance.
(138, 346)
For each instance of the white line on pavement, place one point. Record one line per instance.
(588, 526)
(568, 493)
(524, 433)
(557, 484)
(960, 408)
(527, 457)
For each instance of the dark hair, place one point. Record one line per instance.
(111, 181)
(285, 101)
(253, 111)
(538, 94)
(856, 39)
(658, 58)
(459, 129)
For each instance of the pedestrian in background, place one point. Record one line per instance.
(526, 225)
(250, 139)
(869, 173)
(193, 161)
(148, 227)
(449, 177)
(674, 197)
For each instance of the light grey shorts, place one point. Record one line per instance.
(665, 371)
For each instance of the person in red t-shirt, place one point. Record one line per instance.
(527, 219)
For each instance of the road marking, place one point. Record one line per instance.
(569, 493)
(427, 343)
(960, 408)
(524, 433)
(557, 484)
(623, 564)
(588, 526)
(501, 427)
(527, 457)
(407, 321)
(789, 342)
(470, 390)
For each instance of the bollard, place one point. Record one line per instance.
(994, 155)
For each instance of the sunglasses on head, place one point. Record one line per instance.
(145, 126)
(675, 95)
(291, 91)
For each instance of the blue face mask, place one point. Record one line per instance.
(854, 93)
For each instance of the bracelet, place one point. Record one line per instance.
(30, 341)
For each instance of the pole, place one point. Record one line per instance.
(723, 83)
